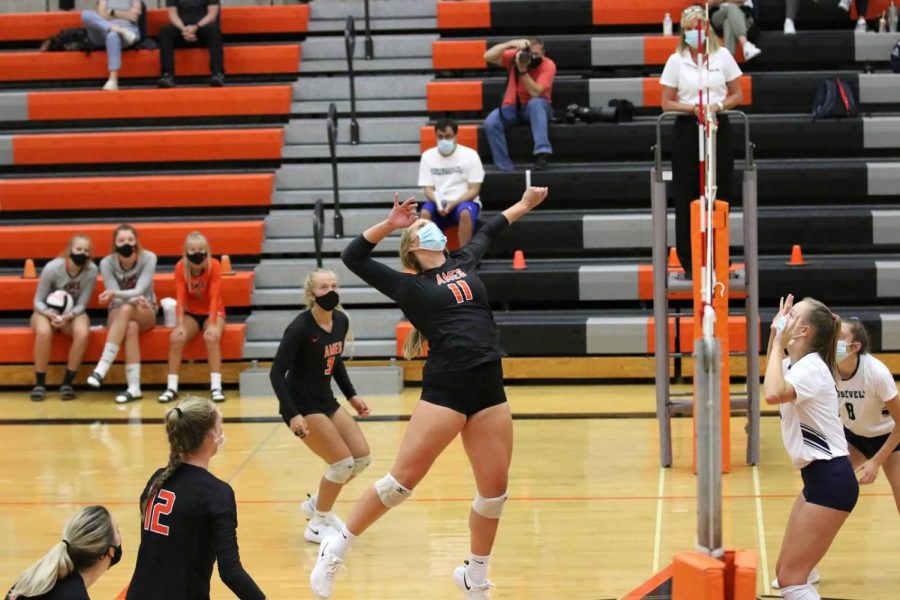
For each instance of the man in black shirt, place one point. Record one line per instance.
(191, 22)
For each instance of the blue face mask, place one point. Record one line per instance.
(693, 38)
(431, 238)
(842, 351)
(780, 325)
(446, 147)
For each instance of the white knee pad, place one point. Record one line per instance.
(800, 592)
(391, 492)
(489, 508)
(361, 464)
(341, 471)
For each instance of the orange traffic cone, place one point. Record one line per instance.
(226, 265)
(30, 271)
(519, 261)
(796, 257)
(674, 263)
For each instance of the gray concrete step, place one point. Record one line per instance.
(299, 223)
(378, 131)
(291, 272)
(394, 24)
(381, 197)
(317, 49)
(329, 245)
(350, 296)
(339, 65)
(378, 9)
(386, 348)
(361, 150)
(366, 87)
(363, 107)
(351, 175)
(367, 323)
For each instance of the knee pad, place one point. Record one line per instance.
(489, 508)
(341, 471)
(391, 492)
(361, 464)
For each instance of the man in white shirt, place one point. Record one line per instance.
(451, 177)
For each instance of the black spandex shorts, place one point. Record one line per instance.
(201, 319)
(869, 446)
(467, 391)
(830, 483)
(325, 407)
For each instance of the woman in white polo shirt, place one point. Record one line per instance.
(681, 82)
(804, 387)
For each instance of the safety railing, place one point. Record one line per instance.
(350, 46)
(332, 128)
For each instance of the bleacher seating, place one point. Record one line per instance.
(246, 163)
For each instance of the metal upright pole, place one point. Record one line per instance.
(751, 262)
(708, 415)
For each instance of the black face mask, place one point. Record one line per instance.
(328, 301)
(125, 250)
(117, 556)
(535, 62)
(78, 259)
(197, 257)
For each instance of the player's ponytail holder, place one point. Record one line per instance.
(66, 542)
(178, 410)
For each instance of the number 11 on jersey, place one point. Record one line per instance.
(461, 291)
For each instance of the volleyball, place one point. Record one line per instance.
(61, 301)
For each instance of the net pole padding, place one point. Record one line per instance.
(719, 305)
(709, 440)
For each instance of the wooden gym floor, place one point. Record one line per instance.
(591, 515)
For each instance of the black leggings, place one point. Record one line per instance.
(686, 177)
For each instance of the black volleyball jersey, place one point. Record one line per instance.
(307, 358)
(70, 588)
(448, 304)
(190, 524)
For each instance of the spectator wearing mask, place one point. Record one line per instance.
(733, 19)
(113, 26)
(527, 99)
(451, 177)
(191, 22)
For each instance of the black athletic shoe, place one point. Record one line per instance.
(166, 81)
(217, 80)
(540, 161)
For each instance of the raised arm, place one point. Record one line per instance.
(494, 54)
(357, 254)
(487, 233)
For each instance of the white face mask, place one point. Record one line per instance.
(220, 441)
(446, 147)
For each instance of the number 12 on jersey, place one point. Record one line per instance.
(461, 291)
(159, 506)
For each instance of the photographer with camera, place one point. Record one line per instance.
(526, 100)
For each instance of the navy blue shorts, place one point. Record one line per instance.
(869, 446)
(830, 483)
(453, 217)
(466, 391)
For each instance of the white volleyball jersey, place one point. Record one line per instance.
(862, 397)
(811, 427)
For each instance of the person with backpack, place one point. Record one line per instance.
(113, 26)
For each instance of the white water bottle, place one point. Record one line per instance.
(892, 17)
(667, 24)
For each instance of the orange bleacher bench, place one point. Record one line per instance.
(236, 20)
(458, 54)
(147, 146)
(239, 60)
(156, 103)
(164, 239)
(18, 293)
(471, 14)
(146, 191)
(17, 345)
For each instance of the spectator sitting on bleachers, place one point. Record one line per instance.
(680, 82)
(191, 22)
(128, 278)
(113, 26)
(791, 8)
(74, 273)
(527, 98)
(733, 19)
(198, 284)
(451, 177)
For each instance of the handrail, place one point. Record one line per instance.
(350, 46)
(318, 230)
(332, 129)
(370, 45)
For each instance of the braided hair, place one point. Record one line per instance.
(186, 426)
